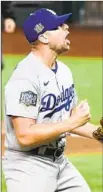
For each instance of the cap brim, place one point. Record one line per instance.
(63, 18)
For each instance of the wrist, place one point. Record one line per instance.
(71, 123)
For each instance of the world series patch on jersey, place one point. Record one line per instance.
(28, 98)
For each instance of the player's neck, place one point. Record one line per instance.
(48, 57)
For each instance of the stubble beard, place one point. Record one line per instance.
(58, 50)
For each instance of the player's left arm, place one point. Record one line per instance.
(86, 130)
(90, 131)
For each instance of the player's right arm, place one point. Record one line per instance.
(23, 117)
(29, 133)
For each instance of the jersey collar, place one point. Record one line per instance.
(55, 69)
(52, 70)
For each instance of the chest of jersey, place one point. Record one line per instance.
(56, 99)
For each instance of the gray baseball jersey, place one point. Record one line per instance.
(47, 95)
(36, 91)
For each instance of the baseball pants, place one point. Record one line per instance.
(41, 174)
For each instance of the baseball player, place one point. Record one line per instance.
(41, 109)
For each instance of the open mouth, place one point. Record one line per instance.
(68, 41)
(66, 38)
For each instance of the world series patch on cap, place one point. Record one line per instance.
(28, 98)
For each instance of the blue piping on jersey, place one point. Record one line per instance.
(56, 68)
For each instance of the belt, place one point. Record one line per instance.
(55, 153)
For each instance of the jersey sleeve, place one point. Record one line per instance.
(22, 98)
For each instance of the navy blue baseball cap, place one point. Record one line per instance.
(40, 21)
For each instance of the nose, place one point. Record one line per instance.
(65, 26)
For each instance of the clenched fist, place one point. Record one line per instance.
(81, 114)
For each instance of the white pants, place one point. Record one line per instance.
(25, 173)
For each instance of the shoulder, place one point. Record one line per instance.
(25, 69)
(24, 74)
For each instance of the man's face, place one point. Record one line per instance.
(58, 39)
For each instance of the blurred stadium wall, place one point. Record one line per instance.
(85, 13)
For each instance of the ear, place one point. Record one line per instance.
(43, 38)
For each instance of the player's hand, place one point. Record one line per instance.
(9, 25)
(81, 114)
